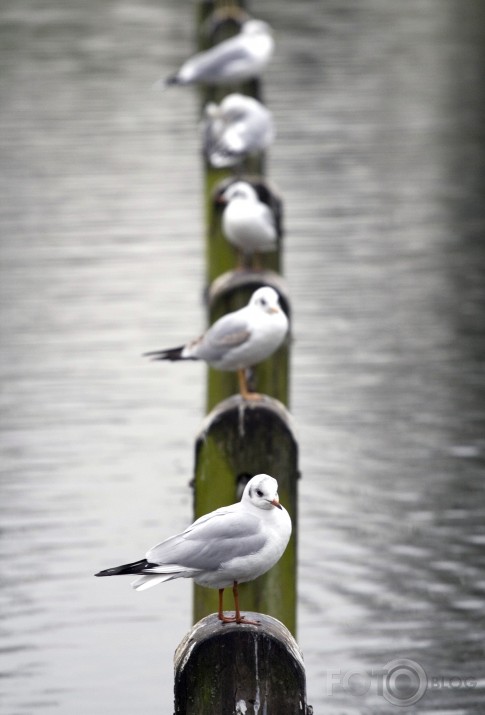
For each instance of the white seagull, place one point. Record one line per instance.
(236, 127)
(237, 59)
(231, 545)
(248, 223)
(238, 340)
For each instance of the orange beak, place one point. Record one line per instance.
(275, 502)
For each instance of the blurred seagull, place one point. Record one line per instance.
(236, 127)
(248, 223)
(239, 58)
(238, 340)
(231, 545)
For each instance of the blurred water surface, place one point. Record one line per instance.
(379, 157)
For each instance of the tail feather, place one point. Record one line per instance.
(135, 567)
(144, 582)
(169, 354)
(173, 80)
(162, 84)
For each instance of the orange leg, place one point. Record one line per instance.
(243, 387)
(237, 618)
(220, 613)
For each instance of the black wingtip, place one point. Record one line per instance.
(169, 354)
(116, 571)
(172, 81)
(107, 572)
(134, 568)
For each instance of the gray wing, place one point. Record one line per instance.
(219, 61)
(211, 541)
(230, 331)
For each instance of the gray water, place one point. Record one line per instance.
(379, 158)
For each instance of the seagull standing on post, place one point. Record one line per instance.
(236, 127)
(237, 59)
(248, 223)
(238, 340)
(231, 545)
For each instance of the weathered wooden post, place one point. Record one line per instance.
(239, 670)
(242, 668)
(239, 439)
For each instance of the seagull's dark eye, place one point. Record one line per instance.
(263, 301)
(259, 492)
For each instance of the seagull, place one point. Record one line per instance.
(239, 58)
(236, 127)
(231, 545)
(248, 223)
(237, 340)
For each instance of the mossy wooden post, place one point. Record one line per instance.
(242, 438)
(239, 439)
(239, 670)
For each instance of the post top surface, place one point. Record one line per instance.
(239, 404)
(210, 627)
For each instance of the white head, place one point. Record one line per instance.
(256, 27)
(266, 299)
(262, 491)
(239, 190)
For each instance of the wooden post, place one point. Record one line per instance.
(238, 440)
(225, 457)
(242, 438)
(239, 670)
